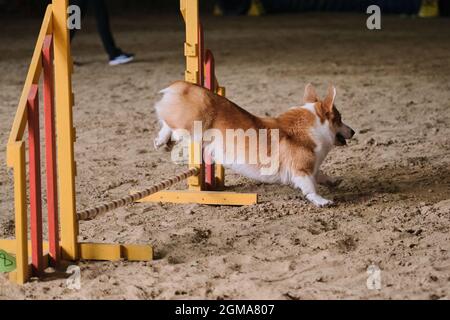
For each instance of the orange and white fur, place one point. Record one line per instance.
(306, 133)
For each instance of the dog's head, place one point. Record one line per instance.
(327, 111)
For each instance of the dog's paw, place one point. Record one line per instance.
(156, 144)
(325, 203)
(318, 201)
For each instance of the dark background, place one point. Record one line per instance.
(35, 8)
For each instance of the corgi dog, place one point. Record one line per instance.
(306, 133)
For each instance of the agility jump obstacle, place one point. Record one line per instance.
(52, 59)
(94, 212)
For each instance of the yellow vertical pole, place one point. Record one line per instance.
(16, 160)
(65, 131)
(220, 170)
(189, 9)
(195, 161)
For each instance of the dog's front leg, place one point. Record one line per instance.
(328, 181)
(164, 136)
(307, 184)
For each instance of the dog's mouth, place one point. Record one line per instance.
(340, 140)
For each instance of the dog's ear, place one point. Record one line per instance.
(310, 94)
(329, 100)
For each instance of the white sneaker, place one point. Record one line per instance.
(122, 59)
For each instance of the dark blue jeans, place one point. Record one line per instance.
(103, 26)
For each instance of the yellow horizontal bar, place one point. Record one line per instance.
(97, 251)
(203, 197)
(114, 252)
(135, 252)
(107, 252)
(9, 245)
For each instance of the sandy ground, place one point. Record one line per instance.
(393, 208)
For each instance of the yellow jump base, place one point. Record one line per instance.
(218, 198)
(90, 251)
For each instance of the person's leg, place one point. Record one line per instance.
(104, 29)
(82, 4)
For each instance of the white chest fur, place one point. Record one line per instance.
(322, 136)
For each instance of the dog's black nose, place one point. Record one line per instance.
(352, 132)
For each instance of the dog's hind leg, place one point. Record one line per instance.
(307, 184)
(164, 136)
